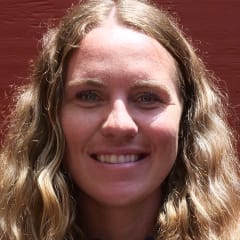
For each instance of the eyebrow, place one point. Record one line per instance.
(86, 81)
(99, 83)
(149, 84)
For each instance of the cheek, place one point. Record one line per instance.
(76, 125)
(165, 149)
(165, 125)
(164, 134)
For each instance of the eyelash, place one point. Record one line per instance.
(148, 98)
(88, 96)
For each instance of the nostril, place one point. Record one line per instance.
(120, 126)
(119, 116)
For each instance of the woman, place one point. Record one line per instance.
(121, 134)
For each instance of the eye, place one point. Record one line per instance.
(148, 99)
(88, 95)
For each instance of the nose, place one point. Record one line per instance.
(119, 123)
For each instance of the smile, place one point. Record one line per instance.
(118, 159)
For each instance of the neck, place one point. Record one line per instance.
(133, 222)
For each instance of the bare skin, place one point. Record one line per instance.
(120, 117)
(130, 223)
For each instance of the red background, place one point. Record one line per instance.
(212, 24)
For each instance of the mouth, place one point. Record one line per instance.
(118, 159)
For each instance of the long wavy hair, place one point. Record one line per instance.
(201, 195)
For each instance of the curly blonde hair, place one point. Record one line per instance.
(201, 195)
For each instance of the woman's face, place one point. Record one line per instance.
(120, 116)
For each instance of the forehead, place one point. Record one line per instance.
(112, 48)
(113, 37)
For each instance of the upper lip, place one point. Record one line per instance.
(119, 151)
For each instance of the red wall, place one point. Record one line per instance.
(213, 25)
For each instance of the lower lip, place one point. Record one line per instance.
(120, 165)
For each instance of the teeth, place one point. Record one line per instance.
(112, 158)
